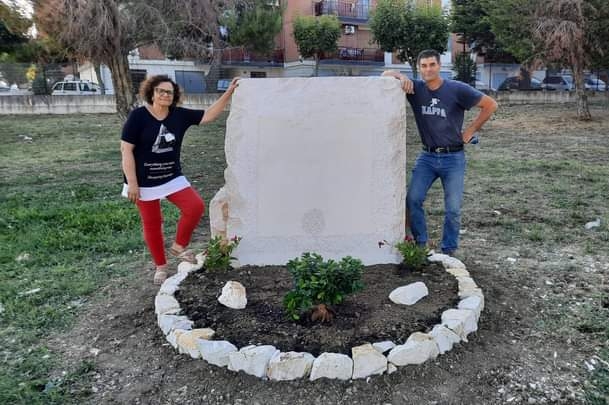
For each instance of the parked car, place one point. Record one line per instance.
(515, 83)
(4, 86)
(593, 84)
(564, 83)
(75, 88)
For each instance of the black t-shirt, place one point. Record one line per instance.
(158, 143)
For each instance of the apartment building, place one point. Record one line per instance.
(357, 54)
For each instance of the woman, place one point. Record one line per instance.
(150, 147)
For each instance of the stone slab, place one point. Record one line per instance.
(326, 174)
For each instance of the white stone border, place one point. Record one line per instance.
(267, 362)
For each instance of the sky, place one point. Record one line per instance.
(25, 6)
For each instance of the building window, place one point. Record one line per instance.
(137, 77)
(191, 82)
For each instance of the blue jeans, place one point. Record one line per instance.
(450, 168)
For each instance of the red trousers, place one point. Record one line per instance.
(191, 207)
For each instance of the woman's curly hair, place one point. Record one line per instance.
(147, 89)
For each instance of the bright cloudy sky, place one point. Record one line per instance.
(24, 5)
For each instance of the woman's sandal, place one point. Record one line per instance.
(186, 255)
(160, 276)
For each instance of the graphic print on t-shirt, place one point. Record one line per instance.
(432, 108)
(164, 141)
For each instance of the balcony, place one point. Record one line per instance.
(346, 55)
(353, 12)
(240, 56)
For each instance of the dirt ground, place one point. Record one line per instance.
(367, 316)
(525, 350)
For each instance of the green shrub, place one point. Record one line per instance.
(218, 253)
(413, 255)
(318, 283)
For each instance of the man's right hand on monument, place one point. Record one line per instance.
(405, 83)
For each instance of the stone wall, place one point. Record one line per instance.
(97, 104)
(105, 104)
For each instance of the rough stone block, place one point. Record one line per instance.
(308, 179)
(445, 338)
(367, 361)
(289, 366)
(419, 348)
(409, 294)
(252, 359)
(332, 365)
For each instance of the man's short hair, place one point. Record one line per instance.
(429, 53)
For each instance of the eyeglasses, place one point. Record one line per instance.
(163, 92)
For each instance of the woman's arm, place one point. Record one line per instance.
(216, 108)
(128, 163)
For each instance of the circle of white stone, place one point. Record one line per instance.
(467, 289)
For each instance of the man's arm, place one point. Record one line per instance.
(487, 107)
(405, 83)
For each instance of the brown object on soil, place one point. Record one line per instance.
(322, 313)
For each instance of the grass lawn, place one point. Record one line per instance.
(66, 232)
(66, 235)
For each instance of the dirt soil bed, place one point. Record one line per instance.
(365, 317)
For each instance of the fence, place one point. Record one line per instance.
(32, 78)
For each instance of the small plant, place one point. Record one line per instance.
(413, 255)
(218, 252)
(319, 284)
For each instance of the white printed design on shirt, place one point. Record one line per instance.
(433, 108)
(164, 141)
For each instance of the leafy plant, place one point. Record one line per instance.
(320, 284)
(413, 255)
(315, 36)
(407, 28)
(218, 252)
(254, 26)
(465, 68)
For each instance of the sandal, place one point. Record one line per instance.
(160, 276)
(186, 255)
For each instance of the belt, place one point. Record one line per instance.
(443, 149)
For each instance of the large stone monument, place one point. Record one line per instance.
(314, 165)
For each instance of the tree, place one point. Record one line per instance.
(105, 31)
(565, 30)
(511, 21)
(402, 26)
(469, 19)
(569, 33)
(13, 30)
(316, 35)
(254, 26)
(465, 68)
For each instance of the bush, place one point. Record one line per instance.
(40, 86)
(218, 253)
(413, 255)
(318, 283)
(465, 68)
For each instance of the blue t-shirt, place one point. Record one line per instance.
(439, 113)
(158, 143)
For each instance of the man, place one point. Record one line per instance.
(439, 106)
